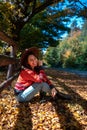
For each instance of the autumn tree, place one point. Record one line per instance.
(16, 14)
(14, 17)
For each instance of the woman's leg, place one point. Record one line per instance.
(29, 93)
(46, 88)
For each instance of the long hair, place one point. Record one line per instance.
(31, 51)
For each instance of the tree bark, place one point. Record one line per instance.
(4, 37)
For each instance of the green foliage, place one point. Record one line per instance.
(66, 54)
(41, 31)
(69, 60)
(29, 25)
(71, 52)
(83, 36)
(51, 56)
(81, 59)
(2, 44)
(5, 17)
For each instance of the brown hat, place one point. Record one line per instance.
(33, 50)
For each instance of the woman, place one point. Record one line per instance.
(32, 78)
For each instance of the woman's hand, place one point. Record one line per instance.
(53, 92)
(40, 62)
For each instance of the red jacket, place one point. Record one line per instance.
(27, 77)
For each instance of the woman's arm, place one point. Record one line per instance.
(29, 75)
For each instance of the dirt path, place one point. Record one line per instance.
(73, 71)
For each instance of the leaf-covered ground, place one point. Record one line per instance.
(50, 115)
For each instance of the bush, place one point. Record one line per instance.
(51, 56)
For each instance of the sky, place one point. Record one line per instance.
(78, 20)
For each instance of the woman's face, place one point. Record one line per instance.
(32, 61)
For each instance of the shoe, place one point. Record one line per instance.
(63, 96)
(42, 97)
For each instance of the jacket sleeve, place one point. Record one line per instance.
(45, 78)
(29, 75)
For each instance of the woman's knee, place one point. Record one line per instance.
(45, 87)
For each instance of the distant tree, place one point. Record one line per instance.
(78, 7)
(51, 56)
(83, 36)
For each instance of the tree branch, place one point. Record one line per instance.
(40, 8)
(34, 4)
(4, 37)
(82, 3)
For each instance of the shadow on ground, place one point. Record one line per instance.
(24, 117)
